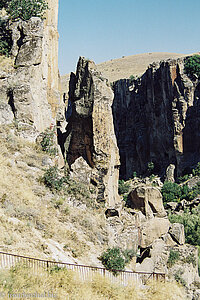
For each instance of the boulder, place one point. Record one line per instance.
(152, 230)
(148, 200)
(81, 171)
(170, 173)
(6, 114)
(177, 232)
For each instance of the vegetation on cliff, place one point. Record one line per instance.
(24, 9)
(115, 259)
(192, 66)
(18, 10)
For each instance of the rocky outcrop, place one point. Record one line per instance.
(29, 90)
(177, 232)
(152, 230)
(148, 200)
(156, 119)
(90, 131)
(170, 173)
(50, 55)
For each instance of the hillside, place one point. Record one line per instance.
(41, 222)
(135, 65)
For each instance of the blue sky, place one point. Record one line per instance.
(107, 29)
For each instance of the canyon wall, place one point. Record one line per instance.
(29, 89)
(156, 119)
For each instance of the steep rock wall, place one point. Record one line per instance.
(156, 118)
(90, 131)
(30, 89)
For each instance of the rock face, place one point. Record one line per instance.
(30, 89)
(177, 233)
(170, 173)
(148, 200)
(90, 131)
(152, 230)
(156, 119)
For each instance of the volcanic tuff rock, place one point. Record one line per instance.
(156, 118)
(90, 132)
(148, 200)
(30, 89)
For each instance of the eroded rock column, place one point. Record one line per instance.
(90, 131)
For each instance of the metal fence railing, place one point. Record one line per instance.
(8, 260)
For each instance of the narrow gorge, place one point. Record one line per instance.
(75, 159)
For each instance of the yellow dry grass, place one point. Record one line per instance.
(6, 63)
(135, 65)
(66, 284)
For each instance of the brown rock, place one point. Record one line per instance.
(170, 173)
(148, 200)
(153, 229)
(177, 233)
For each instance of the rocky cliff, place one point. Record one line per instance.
(90, 132)
(29, 89)
(156, 119)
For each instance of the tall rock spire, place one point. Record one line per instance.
(90, 131)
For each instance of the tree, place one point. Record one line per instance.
(25, 9)
(171, 192)
(192, 66)
(113, 260)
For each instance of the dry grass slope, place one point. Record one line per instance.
(37, 222)
(65, 284)
(134, 65)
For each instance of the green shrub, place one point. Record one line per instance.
(174, 256)
(25, 9)
(48, 141)
(179, 278)
(5, 38)
(152, 177)
(53, 179)
(192, 66)
(113, 260)
(132, 77)
(123, 187)
(196, 170)
(134, 174)
(191, 222)
(125, 198)
(183, 178)
(190, 259)
(150, 167)
(171, 192)
(128, 255)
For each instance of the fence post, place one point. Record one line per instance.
(104, 272)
